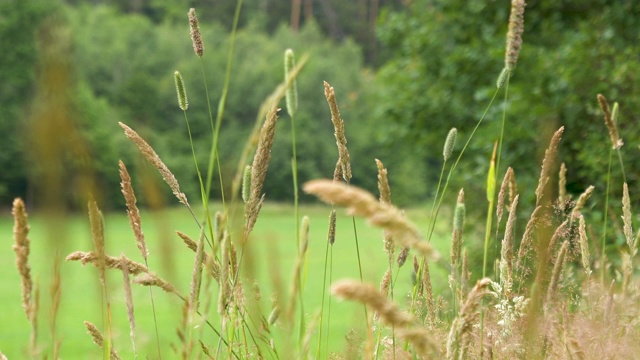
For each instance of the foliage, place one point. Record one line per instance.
(443, 58)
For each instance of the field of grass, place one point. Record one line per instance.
(272, 247)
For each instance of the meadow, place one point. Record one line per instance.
(273, 255)
(542, 273)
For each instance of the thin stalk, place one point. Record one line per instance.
(329, 299)
(324, 287)
(434, 217)
(296, 210)
(435, 197)
(453, 168)
(355, 234)
(606, 211)
(624, 176)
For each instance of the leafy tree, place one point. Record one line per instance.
(19, 22)
(444, 58)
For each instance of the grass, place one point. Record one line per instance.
(274, 245)
(545, 307)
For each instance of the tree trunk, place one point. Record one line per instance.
(295, 15)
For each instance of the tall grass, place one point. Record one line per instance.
(540, 302)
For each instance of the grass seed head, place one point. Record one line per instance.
(449, 144)
(22, 248)
(291, 96)
(514, 34)
(196, 36)
(183, 103)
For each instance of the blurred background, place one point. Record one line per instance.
(405, 72)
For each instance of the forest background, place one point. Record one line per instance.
(404, 71)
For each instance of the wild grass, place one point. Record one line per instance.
(540, 300)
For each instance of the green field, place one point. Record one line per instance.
(272, 247)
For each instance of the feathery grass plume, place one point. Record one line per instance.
(110, 262)
(153, 158)
(423, 343)
(331, 237)
(503, 193)
(502, 78)
(506, 255)
(259, 168)
(246, 183)
(337, 171)
(385, 283)
(609, 121)
(385, 198)
(428, 294)
(402, 256)
(561, 232)
(458, 226)
(196, 275)
(54, 293)
(210, 262)
(562, 186)
(181, 91)
(513, 188)
(291, 96)
(97, 234)
(527, 238)
(367, 294)
(128, 297)
(151, 279)
(196, 36)
(220, 219)
(466, 318)
(465, 274)
(132, 209)
(338, 126)
(34, 319)
(21, 247)
(383, 183)
(362, 203)
(547, 163)
(584, 245)
(98, 339)
(514, 34)
(273, 315)
(309, 333)
(632, 241)
(557, 271)
(582, 200)
(304, 234)
(225, 289)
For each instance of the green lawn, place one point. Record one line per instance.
(272, 246)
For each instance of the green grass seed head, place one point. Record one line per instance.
(292, 88)
(246, 183)
(502, 78)
(460, 211)
(181, 91)
(449, 144)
